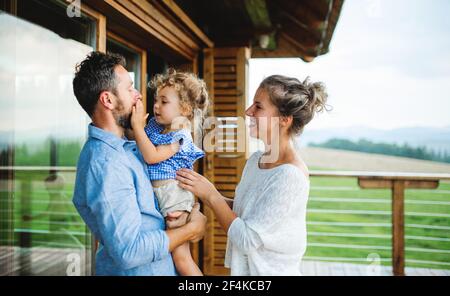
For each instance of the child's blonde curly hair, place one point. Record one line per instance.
(191, 90)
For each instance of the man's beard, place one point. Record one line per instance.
(122, 119)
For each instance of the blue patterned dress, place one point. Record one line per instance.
(184, 158)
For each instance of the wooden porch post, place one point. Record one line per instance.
(398, 186)
(226, 69)
(398, 227)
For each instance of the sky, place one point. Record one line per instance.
(43, 103)
(388, 66)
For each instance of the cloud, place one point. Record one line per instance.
(409, 35)
(385, 70)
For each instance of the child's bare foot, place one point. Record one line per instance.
(176, 219)
(175, 214)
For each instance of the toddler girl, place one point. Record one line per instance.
(167, 146)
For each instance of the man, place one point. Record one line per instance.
(112, 191)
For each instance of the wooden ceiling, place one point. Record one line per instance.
(301, 28)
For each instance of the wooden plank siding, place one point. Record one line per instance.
(227, 70)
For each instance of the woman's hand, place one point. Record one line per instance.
(197, 184)
(138, 116)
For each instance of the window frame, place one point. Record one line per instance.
(143, 67)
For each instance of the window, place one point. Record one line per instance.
(136, 62)
(42, 131)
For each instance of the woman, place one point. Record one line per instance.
(267, 226)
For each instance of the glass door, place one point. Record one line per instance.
(42, 129)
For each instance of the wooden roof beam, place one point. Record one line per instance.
(312, 19)
(315, 28)
(260, 17)
(184, 18)
(305, 13)
(258, 13)
(307, 54)
(287, 47)
(331, 24)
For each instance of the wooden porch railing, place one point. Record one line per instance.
(397, 183)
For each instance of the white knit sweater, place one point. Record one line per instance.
(269, 235)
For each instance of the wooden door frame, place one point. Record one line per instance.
(100, 26)
(143, 67)
(100, 43)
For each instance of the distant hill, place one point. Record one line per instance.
(332, 159)
(437, 139)
(393, 149)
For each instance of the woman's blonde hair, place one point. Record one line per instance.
(301, 100)
(191, 90)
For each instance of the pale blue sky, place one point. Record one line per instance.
(388, 66)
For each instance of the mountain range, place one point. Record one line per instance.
(433, 138)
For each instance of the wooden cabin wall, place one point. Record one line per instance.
(226, 73)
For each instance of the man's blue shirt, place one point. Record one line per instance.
(115, 198)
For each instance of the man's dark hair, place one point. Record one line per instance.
(94, 75)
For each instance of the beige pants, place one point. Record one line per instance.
(172, 197)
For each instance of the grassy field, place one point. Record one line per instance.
(353, 236)
(46, 215)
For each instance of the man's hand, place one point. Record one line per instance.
(193, 230)
(176, 219)
(197, 223)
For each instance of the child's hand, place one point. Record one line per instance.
(138, 116)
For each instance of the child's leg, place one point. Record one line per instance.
(183, 261)
(182, 254)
